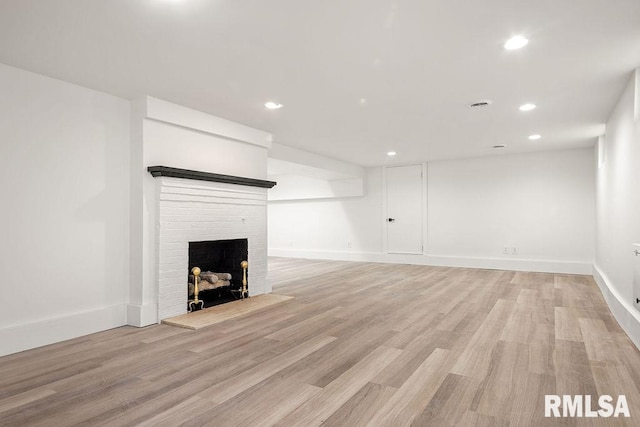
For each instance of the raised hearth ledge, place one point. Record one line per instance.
(157, 171)
(219, 313)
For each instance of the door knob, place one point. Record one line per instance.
(391, 219)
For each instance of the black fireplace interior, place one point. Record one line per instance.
(220, 256)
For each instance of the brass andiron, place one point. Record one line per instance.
(244, 265)
(193, 303)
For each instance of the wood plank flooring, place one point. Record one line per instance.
(360, 345)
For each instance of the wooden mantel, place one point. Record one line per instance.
(157, 171)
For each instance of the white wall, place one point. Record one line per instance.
(540, 203)
(64, 179)
(618, 210)
(169, 145)
(305, 227)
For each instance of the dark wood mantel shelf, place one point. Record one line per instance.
(157, 171)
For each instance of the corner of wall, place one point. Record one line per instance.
(142, 315)
(624, 313)
(617, 208)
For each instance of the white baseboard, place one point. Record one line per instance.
(327, 255)
(624, 312)
(142, 315)
(48, 331)
(542, 266)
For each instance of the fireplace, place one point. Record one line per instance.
(206, 182)
(194, 209)
(220, 260)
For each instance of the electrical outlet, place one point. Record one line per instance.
(505, 250)
(514, 251)
(291, 243)
(349, 244)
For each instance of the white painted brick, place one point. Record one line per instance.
(164, 282)
(173, 275)
(174, 288)
(172, 310)
(176, 245)
(199, 211)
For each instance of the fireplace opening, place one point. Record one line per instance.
(221, 273)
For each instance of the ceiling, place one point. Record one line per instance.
(357, 78)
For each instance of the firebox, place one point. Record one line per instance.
(221, 273)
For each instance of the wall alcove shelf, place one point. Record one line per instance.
(157, 171)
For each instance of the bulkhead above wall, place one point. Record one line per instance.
(302, 175)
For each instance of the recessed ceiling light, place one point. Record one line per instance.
(527, 107)
(535, 137)
(516, 42)
(391, 153)
(273, 105)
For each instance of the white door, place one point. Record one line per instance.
(404, 209)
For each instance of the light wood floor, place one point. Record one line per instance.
(361, 344)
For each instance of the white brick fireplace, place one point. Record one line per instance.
(190, 211)
(219, 194)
